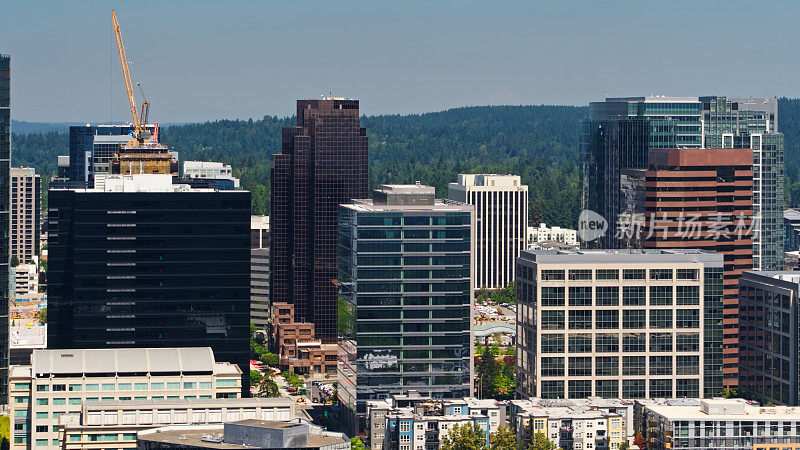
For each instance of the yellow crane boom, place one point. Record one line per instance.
(138, 126)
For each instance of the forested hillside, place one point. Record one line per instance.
(540, 143)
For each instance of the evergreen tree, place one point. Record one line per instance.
(465, 437)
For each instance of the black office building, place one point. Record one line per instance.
(323, 164)
(5, 229)
(150, 266)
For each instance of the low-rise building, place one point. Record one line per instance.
(298, 349)
(414, 422)
(60, 382)
(722, 424)
(543, 233)
(524, 414)
(209, 170)
(24, 280)
(250, 433)
(114, 424)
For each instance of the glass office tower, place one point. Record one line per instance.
(5, 229)
(613, 143)
(405, 290)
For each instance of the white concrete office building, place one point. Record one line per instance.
(619, 324)
(209, 170)
(60, 382)
(501, 224)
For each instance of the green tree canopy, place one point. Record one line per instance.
(465, 437)
(503, 439)
(540, 442)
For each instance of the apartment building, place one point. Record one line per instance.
(542, 235)
(26, 188)
(501, 223)
(414, 422)
(59, 382)
(619, 323)
(570, 427)
(723, 424)
(297, 347)
(523, 415)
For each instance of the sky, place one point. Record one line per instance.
(206, 60)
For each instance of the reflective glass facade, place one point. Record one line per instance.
(150, 269)
(323, 164)
(404, 305)
(5, 228)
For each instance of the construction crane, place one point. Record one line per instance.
(140, 132)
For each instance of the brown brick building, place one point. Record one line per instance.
(703, 198)
(298, 349)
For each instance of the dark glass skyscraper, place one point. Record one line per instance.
(150, 264)
(323, 163)
(5, 229)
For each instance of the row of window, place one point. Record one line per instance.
(613, 274)
(610, 295)
(610, 343)
(659, 388)
(609, 319)
(78, 400)
(126, 386)
(581, 366)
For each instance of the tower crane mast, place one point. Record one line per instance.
(140, 131)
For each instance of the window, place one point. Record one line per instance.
(92, 387)
(580, 274)
(22, 386)
(128, 436)
(552, 275)
(661, 365)
(687, 342)
(606, 366)
(75, 387)
(661, 318)
(22, 399)
(633, 274)
(552, 296)
(687, 295)
(633, 389)
(687, 365)
(580, 388)
(687, 318)
(157, 386)
(606, 295)
(140, 386)
(580, 343)
(41, 401)
(74, 437)
(553, 367)
(660, 342)
(580, 366)
(607, 319)
(580, 296)
(108, 386)
(552, 320)
(553, 389)
(633, 295)
(661, 388)
(205, 385)
(41, 415)
(634, 343)
(633, 365)
(606, 343)
(634, 319)
(661, 295)
(59, 401)
(552, 343)
(174, 385)
(42, 388)
(59, 387)
(405, 426)
(74, 401)
(580, 319)
(607, 274)
(226, 383)
(688, 274)
(660, 274)
(41, 442)
(124, 386)
(41, 428)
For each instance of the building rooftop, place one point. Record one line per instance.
(789, 276)
(488, 180)
(123, 360)
(142, 183)
(188, 402)
(718, 409)
(623, 256)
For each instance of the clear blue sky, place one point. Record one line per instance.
(204, 60)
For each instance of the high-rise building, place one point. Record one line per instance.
(259, 271)
(620, 132)
(26, 189)
(618, 324)
(501, 224)
(145, 263)
(768, 351)
(702, 198)
(406, 290)
(323, 163)
(5, 224)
